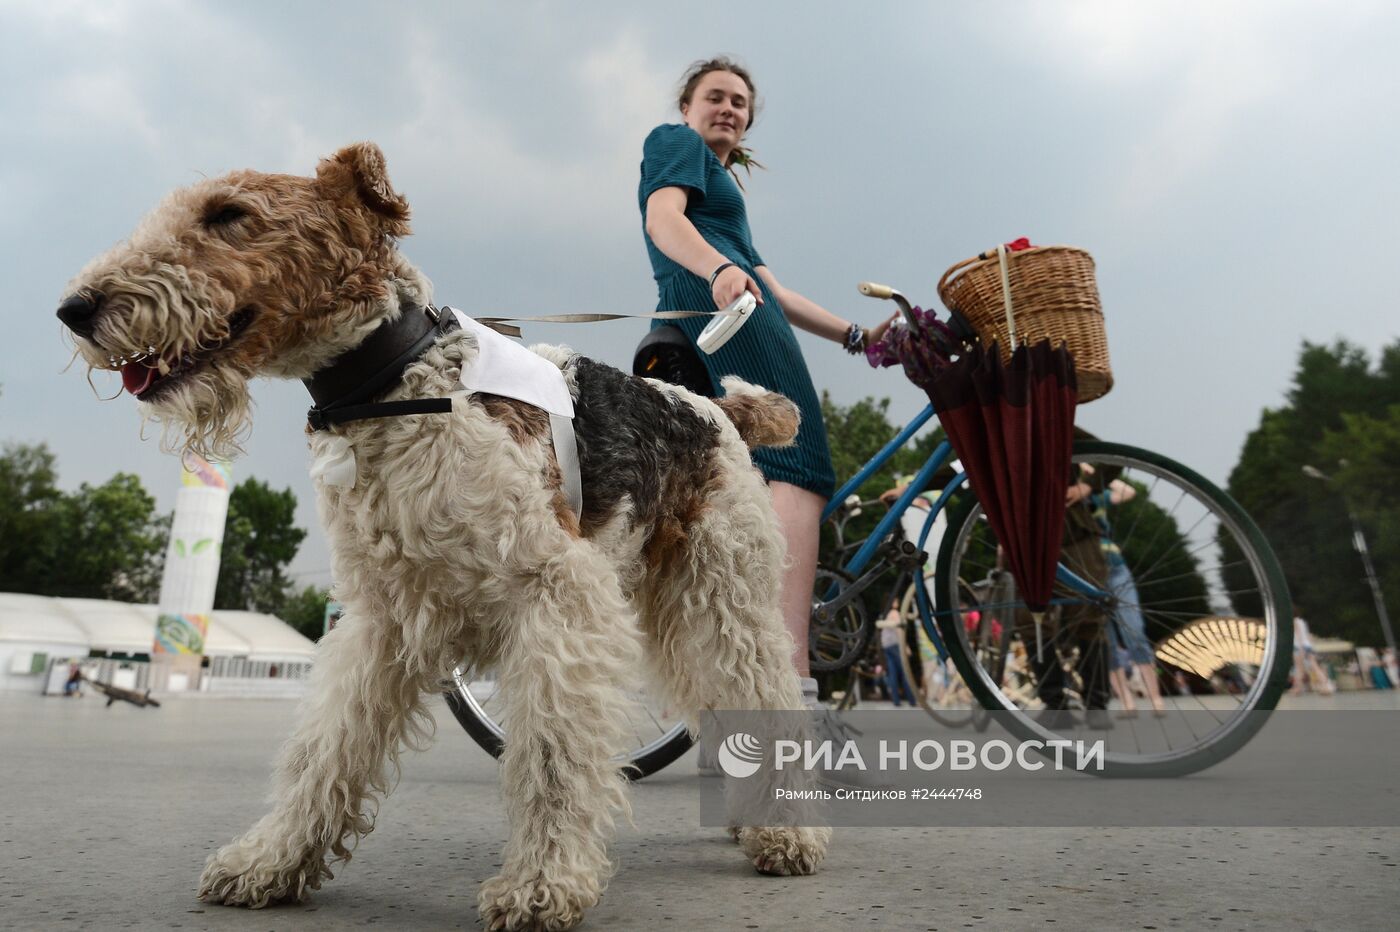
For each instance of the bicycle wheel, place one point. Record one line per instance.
(952, 705)
(654, 739)
(1212, 601)
(836, 639)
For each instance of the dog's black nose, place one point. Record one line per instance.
(79, 312)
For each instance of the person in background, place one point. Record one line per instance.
(74, 685)
(893, 647)
(1305, 663)
(1131, 648)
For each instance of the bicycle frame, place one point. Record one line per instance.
(866, 552)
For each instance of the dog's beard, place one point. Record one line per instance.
(210, 414)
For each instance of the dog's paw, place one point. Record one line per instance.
(785, 852)
(512, 904)
(244, 873)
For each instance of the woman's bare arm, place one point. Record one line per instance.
(808, 315)
(673, 233)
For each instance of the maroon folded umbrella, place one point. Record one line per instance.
(1012, 425)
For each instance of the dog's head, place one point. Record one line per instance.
(242, 275)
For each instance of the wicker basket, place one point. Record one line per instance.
(1053, 296)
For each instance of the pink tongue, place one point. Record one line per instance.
(137, 377)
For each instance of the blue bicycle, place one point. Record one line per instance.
(1205, 601)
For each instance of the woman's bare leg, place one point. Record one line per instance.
(1149, 682)
(800, 513)
(1119, 681)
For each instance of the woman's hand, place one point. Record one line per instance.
(730, 284)
(874, 334)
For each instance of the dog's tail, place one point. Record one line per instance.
(763, 418)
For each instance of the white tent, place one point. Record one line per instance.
(34, 628)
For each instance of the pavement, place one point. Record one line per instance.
(109, 814)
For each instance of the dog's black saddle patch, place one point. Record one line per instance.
(637, 442)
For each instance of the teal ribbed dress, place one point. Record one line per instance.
(765, 351)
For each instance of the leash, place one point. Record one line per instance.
(503, 324)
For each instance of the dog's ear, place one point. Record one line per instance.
(358, 171)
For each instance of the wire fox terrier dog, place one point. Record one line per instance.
(454, 539)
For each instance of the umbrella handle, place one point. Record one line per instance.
(1010, 318)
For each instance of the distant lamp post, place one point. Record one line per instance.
(1358, 541)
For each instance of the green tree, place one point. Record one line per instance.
(29, 500)
(104, 542)
(1338, 407)
(306, 611)
(260, 540)
(1367, 480)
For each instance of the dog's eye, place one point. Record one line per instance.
(223, 215)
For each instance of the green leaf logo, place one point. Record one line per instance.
(179, 547)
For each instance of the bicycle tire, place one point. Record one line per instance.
(967, 546)
(490, 735)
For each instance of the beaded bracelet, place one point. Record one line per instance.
(855, 339)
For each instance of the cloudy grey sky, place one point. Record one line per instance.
(1231, 166)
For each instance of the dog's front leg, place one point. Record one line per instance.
(569, 641)
(360, 710)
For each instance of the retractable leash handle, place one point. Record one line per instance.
(722, 327)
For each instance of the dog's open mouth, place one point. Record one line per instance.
(149, 376)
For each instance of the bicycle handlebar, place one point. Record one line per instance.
(886, 293)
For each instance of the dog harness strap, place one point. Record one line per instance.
(321, 419)
(566, 454)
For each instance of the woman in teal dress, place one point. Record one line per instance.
(702, 255)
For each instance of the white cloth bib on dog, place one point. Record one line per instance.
(504, 367)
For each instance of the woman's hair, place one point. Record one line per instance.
(742, 155)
